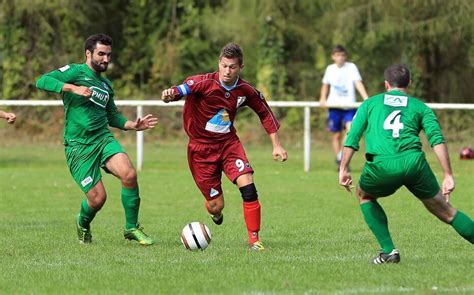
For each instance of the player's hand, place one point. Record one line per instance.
(82, 91)
(448, 186)
(345, 180)
(322, 104)
(279, 151)
(147, 122)
(10, 117)
(168, 95)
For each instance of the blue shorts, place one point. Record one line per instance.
(337, 118)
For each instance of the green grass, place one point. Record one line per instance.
(316, 239)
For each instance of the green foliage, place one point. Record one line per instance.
(287, 44)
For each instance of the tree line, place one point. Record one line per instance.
(287, 44)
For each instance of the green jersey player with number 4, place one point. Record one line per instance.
(89, 109)
(392, 122)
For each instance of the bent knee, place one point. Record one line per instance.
(96, 200)
(130, 177)
(215, 206)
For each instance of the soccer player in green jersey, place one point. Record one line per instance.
(89, 109)
(392, 122)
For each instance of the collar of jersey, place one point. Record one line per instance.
(229, 88)
(90, 72)
(397, 91)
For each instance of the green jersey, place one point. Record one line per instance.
(392, 122)
(86, 119)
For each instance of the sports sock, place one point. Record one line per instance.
(86, 215)
(377, 221)
(131, 205)
(339, 156)
(252, 219)
(464, 225)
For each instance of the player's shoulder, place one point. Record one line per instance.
(72, 67)
(202, 78)
(331, 67)
(246, 86)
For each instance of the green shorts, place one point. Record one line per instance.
(85, 160)
(385, 174)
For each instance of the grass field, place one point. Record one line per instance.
(316, 239)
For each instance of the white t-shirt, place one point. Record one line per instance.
(341, 80)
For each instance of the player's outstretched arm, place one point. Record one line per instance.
(145, 123)
(442, 154)
(168, 95)
(361, 88)
(345, 178)
(79, 90)
(10, 117)
(278, 150)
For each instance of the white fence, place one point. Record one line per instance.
(307, 105)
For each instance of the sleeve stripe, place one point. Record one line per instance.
(183, 89)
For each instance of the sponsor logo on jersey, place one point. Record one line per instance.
(220, 123)
(65, 68)
(240, 100)
(261, 96)
(227, 95)
(88, 79)
(106, 86)
(86, 181)
(99, 96)
(395, 100)
(213, 193)
(190, 82)
(341, 90)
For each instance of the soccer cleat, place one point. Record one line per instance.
(83, 234)
(137, 234)
(392, 257)
(218, 219)
(257, 246)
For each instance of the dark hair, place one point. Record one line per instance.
(339, 48)
(91, 41)
(397, 75)
(232, 50)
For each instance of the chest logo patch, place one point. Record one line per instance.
(240, 100)
(99, 96)
(220, 123)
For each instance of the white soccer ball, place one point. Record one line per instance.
(196, 236)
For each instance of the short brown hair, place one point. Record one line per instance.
(397, 75)
(232, 50)
(91, 41)
(339, 48)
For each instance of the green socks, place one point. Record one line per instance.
(86, 215)
(464, 226)
(131, 205)
(377, 221)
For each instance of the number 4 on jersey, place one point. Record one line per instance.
(392, 122)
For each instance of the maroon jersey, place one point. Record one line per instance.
(210, 108)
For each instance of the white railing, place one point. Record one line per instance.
(307, 105)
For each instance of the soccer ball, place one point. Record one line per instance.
(466, 153)
(196, 236)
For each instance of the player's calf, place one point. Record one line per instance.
(215, 207)
(252, 214)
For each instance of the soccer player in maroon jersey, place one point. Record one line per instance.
(211, 104)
